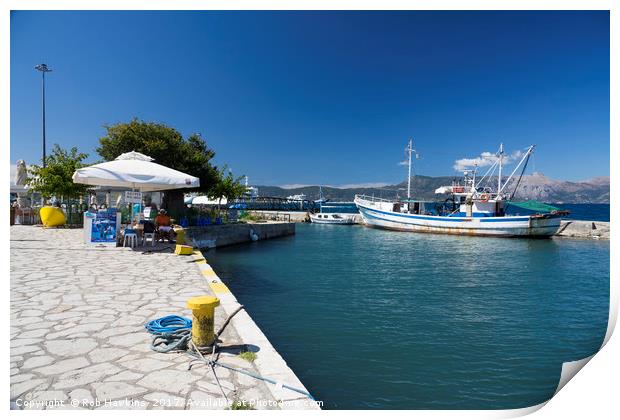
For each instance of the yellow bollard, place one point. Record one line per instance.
(203, 309)
(180, 236)
(183, 250)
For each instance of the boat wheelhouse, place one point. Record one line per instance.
(470, 208)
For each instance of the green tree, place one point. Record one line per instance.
(168, 147)
(56, 178)
(227, 186)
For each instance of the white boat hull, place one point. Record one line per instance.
(528, 226)
(347, 219)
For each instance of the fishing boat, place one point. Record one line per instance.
(469, 207)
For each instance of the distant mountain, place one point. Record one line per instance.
(532, 187)
(539, 187)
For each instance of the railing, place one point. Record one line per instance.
(205, 216)
(27, 216)
(373, 198)
(273, 204)
(31, 215)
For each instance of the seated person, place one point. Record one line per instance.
(164, 224)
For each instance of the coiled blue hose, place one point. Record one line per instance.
(167, 324)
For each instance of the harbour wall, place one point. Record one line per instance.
(231, 234)
(584, 229)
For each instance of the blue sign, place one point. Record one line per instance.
(104, 226)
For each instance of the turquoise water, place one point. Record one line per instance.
(393, 320)
(581, 211)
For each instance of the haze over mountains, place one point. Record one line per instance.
(532, 187)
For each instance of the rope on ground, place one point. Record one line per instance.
(171, 341)
(172, 333)
(225, 324)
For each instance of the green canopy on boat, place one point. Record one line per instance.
(534, 206)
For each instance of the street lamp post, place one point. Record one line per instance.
(43, 69)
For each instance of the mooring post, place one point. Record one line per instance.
(203, 310)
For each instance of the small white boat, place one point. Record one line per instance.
(476, 210)
(333, 218)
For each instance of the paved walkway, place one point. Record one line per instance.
(77, 334)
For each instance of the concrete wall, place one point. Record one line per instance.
(584, 229)
(222, 235)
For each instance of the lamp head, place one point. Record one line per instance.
(42, 68)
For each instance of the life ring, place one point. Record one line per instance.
(253, 235)
(484, 197)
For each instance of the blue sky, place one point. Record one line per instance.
(323, 97)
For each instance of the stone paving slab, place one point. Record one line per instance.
(77, 335)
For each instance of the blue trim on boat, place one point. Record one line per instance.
(475, 214)
(505, 219)
(464, 228)
(449, 219)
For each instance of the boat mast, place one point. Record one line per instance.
(409, 150)
(499, 174)
(530, 150)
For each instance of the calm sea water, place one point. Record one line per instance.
(594, 212)
(378, 319)
(599, 212)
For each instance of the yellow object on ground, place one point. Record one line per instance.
(203, 329)
(52, 216)
(180, 235)
(183, 250)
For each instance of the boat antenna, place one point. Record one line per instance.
(520, 176)
(410, 150)
(499, 173)
(489, 172)
(530, 150)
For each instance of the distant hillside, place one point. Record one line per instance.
(532, 187)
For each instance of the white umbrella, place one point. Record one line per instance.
(136, 171)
